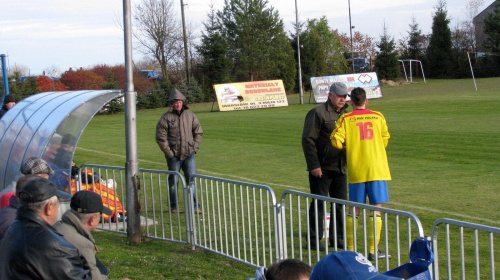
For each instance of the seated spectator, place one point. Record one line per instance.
(344, 265)
(8, 214)
(38, 167)
(288, 269)
(8, 102)
(4, 200)
(77, 224)
(63, 156)
(33, 165)
(31, 248)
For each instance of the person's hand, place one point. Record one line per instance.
(125, 279)
(317, 172)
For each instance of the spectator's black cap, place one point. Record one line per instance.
(40, 189)
(68, 139)
(88, 202)
(9, 98)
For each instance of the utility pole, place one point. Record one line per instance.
(350, 30)
(297, 30)
(132, 165)
(186, 56)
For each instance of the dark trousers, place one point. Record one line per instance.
(333, 184)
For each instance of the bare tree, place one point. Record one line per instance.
(464, 36)
(158, 31)
(52, 71)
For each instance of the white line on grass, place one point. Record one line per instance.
(299, 189)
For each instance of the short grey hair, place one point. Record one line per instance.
(83, 217)
(40, 205)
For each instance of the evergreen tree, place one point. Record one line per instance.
(414, 41)
(322, 51)
(216, 64)
(256, 40)
(386, 62)
(439, 50)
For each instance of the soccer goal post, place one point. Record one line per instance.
(410, 62)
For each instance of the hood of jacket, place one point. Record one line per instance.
(175, 94)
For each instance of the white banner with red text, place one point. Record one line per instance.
(367, 81)
(251, 95)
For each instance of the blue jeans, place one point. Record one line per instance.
(188, 166)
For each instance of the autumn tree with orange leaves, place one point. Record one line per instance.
(47, 84)
(361, 44)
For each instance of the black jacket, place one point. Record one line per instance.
(32, 249)
(3, 111)
(316, 143)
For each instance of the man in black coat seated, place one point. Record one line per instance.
(31, 249)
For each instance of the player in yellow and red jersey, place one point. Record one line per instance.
(364, 135)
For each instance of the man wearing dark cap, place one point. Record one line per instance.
(326, 165)
(63, 156)
(8, 102)
(178, 134)
(77, 224)
(32, 249)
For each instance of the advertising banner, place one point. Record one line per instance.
(368, 81)
(251, 95)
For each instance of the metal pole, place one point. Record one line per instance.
(132, 165)
(186, 57)
(472, 71)
(298, 53)
(350, 31)
(5, 77)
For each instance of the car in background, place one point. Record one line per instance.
(361, 64)
(23, 79)
(151, 74)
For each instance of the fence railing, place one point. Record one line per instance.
(469, 250)
(399, 228)
(156, 218)
(245, 222)
(238, 220)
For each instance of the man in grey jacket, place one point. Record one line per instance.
(326, 165)
(178, 134)
(77, 224)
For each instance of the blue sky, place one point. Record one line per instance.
(59, 34)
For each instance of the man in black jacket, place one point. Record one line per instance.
(326, 165)
(32, 249)
(8, 102)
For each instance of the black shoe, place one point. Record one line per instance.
(371, 257)
(321, 247)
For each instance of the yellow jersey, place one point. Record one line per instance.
(365, 135)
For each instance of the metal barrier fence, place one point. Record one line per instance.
(470, 258)
(245, 222)
(399, 228)
(157, 219)
(238, 220)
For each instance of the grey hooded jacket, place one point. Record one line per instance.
(178, 133)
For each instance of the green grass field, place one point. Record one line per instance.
(443, 155)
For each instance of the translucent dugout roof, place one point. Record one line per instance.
(47, 125)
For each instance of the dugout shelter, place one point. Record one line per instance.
(36, 125)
